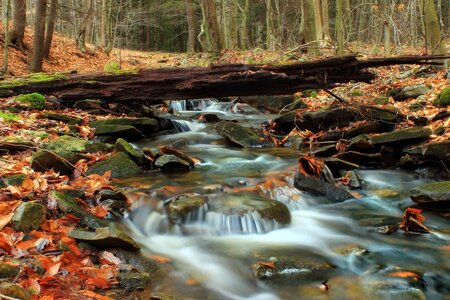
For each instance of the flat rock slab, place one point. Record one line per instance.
(401, 135)
(432, 193)
(120, 165)
(106, 237)
(242, 136)
(312, 184)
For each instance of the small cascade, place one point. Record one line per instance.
(193, 105)
(247, 223)
(185, 126)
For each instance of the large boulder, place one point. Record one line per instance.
(29, 216)
(130, 128)
(408, 92)
(326, 119)
(436, 193)
(120, 165)
(73, 144)
(242, 136)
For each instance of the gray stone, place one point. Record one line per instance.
(178, 153)
(127, 131)
(13, 180)
(106, 237)
(361, 143)
(134, 280)
(125, 127)
(29, 216)
(181, 208)
(73, 144)
(244, 137)
(62, 118)
(136, 155)
(285, 122)
(120, 165)
(408, 92)
(381, 100)
(135, 259)
(167, 162)
(402, 135)
(312, 184)
(365, 159)
(273, 103)
(61, 161)
(326, 119)
(432, 193)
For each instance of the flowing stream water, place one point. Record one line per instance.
(212, 254)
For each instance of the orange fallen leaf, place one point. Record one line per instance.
(99, 211)
(98, 282)
(160, 259)
(404, 274)
(94, 295)
(266, 264)
(7, 210)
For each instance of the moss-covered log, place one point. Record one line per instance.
(202, 82)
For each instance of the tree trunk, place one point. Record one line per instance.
(270, 38)
(229, 11)
(50, 27)
(244, 34)
(310, 34)
(81, 39)
(212, 25)
(339, 27)
(39, 35)
(433, 32)
(19, 22)
(6, 4)
(325, 21)
(190, 13)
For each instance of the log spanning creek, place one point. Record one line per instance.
(235, 227)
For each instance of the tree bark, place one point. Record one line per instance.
(310, 34)
(81, 39)
(339, 27)
(6, 8)
(214, 81)
(39, 35)
(190, 14)
(19, 22)
(212, 23)
(433, 32)
(51, 18)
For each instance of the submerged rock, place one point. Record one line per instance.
(180, 210)
(432, 193)
(120, 165)
(312, 184)
(106, 237)
(245, 137)
(29, 216)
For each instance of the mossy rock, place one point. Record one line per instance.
(13, 180)
(29, 216)
(143, 124)
(432, 193)
(68, 204)
(136, 155)
(401, 135)
(90, 104)
(170, 162)
(132, 281)
(59, 161)
(443, 99)
(15, 291)
(326, 119)
(181, 208)
(35, 100)
(382, 114)
(242, 136)
(128, 131)
(106, 237)
(15, 144)
(311, 93)
(8, 271)
(73, 144)
(120, 165)
(381, 100)
(408, 92)
(62, 118)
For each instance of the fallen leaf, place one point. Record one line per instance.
(94, 295)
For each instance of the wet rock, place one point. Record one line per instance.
(355, 180)
(285, 122)
(134, 280)
(68, 204)
(167, 162)
(178, 153)
(324, 151)
(128, 131)
(185, 208)
(106, 194)
(281, 267)
(408, 92)
(136, 155)
(337, 165)
(209, 118)
(61, 161)
(145, 125)
(361, 143)
(441, 116)
(29, 216)
(402, 135)
(381, 114)
(13, 180)
(136, 260)
(273, 103)
(8, 271)
(72, 144)
(443, 99)
(62, 118)
(105, 237)
(120, 165)
(312, 184)
(393, 290)
(326, 119)
(15, 291)
(439, 150)
(432, 193)
(385, 229)
(245, 137)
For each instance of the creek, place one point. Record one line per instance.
(214, 255)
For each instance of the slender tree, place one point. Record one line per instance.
(309, 31)
(212, 24)
(19, 22)
(190, 13)
(51, 18)
(39, 35)
(6, 4)
(339, 27)
(434, 39)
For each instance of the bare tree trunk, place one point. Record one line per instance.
(229, 9)
(50, 27)
(270, 38)
(325, 21)
(6, 9)
(19, 22)
(39, 35)
(212, 25)
(339, 27)
(81, 39)
(433, 32)
(310, 34)
(244, 34)
(190, 13)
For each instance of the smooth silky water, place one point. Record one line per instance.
(212, 254)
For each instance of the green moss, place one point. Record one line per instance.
(356, 93)
(436, 187)
(8, 117)
(35, 99)
(112, 67)
(33, 78)
(310, 93)
(443, 99)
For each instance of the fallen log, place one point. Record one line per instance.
(203, 82)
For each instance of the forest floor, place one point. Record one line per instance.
(47, 261)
